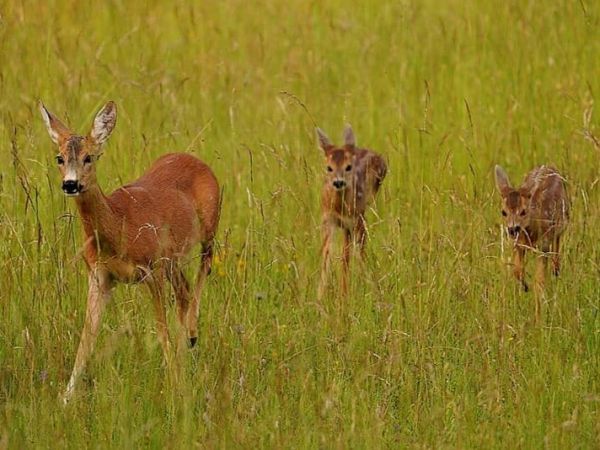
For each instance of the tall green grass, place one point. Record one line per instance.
(435, 347)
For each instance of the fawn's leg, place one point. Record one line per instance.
(556, 256)
(346, 260)
(519, 266)
(194, 310)
(540, 276)
(360, 234)
(99, 291)
(325, 255)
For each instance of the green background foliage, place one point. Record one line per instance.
(435, 347)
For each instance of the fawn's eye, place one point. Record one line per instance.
(504, 213)
(348, 168)
(523, 212)
(60, 160)
(329, 169)
(87, 159)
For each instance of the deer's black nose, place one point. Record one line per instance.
(70, 187)
(513, 231)
(338, 184)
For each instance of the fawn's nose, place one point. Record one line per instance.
(339, 184)
(514, 231)
(70, 187)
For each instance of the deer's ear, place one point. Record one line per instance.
(104, 123)
(324, 141)
(349, 138)
(502, 182)
(56, 129)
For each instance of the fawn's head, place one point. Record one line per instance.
(77, 154)
(515, 204)
(339, 161)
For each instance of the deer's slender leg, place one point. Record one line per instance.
(346, 260)
(156, 283)
(194, 310)
(182, 292)
(360, 234)
(519, 265)
(540, 267)
(540, 276)
(325, 256)
(556, 256)
(99, 292)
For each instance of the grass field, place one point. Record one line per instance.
(436, 347)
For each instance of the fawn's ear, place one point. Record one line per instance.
(502, 182)
(324, 141)
(56, 129)
(104, 123)
(349, 138)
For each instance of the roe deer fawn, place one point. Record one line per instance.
(352, 180)
(536, 215)
(140, 231)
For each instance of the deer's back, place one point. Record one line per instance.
(173, 206)
(370, 171)
(549, 208)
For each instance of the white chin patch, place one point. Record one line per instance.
(74, 194)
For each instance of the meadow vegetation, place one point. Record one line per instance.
(436, 345)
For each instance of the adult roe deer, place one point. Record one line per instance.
(536, 214)
(353, 177)
(141, 231)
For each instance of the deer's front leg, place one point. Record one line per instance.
(519, 266)
(325, 255)
(99, 291)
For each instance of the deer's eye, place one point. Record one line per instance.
(329, 169)
(523, 212)
(60, 160)
(348, 168)
(87, 159)
(504, 213)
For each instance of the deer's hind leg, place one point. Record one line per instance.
(346, 260)
(556, 256)
(194, 307)
(156, 283)
(360, 236)
(182, 290)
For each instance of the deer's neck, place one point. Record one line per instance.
(342, 202)
(98, 218)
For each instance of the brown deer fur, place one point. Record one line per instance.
(536, 214)
(353, 178)
(140, 231)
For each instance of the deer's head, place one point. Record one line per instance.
(339, 161)
(515, 204)
(77, 154)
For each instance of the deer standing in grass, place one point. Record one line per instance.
(536, 215)
(353, 178)
(140, 232)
